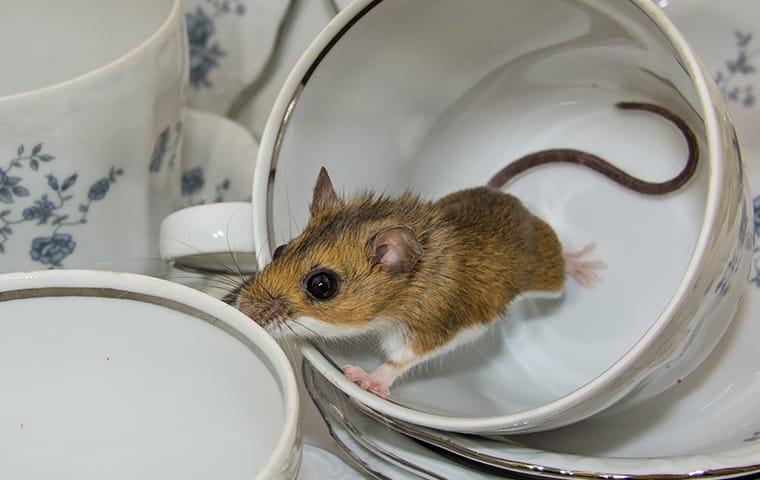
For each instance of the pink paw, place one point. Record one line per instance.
(583, 271)
(366, 381)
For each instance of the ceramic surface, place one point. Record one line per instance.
(425, 136)
(218, 159)
(657, 437)
(91, 128)
(436, 137)
(231, 42)
(114, 356)
(377, 439)
(319, 464)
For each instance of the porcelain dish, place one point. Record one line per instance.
(426, 140)
(230, 44)
(101, 369)
(658, 437)
(707, 425)
(91, 127)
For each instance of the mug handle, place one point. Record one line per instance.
(214, 237)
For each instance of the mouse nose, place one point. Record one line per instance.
(264, 311)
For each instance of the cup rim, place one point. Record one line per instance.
(156, 37)
(265, 174)
(172, 295)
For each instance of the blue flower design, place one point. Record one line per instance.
(159, 150)
(162, 147)
(756, 210)
(42, 210)
(741, 65)
(52, 250)
(192, 181)
(99, 189)
(9, 186)
(49, 209)
(205, 55)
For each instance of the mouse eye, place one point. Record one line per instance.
(278, 251)
(322, 284)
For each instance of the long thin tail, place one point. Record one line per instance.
(578, 157)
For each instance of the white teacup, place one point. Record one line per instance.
(120, 376)
(436, 96)
(91, 110)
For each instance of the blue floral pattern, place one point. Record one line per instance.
(164, 146)
(49, 210)
(193, 182)
(205, 53)
(739, 92)
(756, 248)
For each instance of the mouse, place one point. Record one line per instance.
(425, 277)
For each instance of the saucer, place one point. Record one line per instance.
(318, 464)
(379, 450)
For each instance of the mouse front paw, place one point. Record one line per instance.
(583, 271)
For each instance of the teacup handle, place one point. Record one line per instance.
(214, 237)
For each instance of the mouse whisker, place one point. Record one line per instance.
(304, 327)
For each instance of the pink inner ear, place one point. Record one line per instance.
(397, 249)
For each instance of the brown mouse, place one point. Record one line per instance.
(424, 276)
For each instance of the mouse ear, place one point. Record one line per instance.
(397, 249)
(324, 193)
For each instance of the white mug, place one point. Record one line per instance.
(90, 149)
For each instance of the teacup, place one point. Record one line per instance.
(90, 149)
(116, 375)
(435, 96)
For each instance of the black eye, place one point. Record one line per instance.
(322, 284)
(278, 251)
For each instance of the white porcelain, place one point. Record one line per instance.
(301, 24)
(90, 103)
(115, 375)
(319, 464)
(391, 124)
(373, 438)
(231, 42)
(218, 156)
(707, 423)
(706, 426)
(217, 166)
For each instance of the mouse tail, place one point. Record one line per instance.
(578, 157)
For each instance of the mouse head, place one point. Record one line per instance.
(338, 277)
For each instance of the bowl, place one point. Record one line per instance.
(113, 375)
(435, 96)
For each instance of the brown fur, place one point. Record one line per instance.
(480, 249)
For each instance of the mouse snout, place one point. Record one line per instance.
(266, 311)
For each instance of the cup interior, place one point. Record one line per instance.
(43, 43)
(436, 96)
(139, 385)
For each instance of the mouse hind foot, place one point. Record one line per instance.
(585, 272)
(377, 382)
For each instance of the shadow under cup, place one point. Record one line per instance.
(90, 98)
(437, 96)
